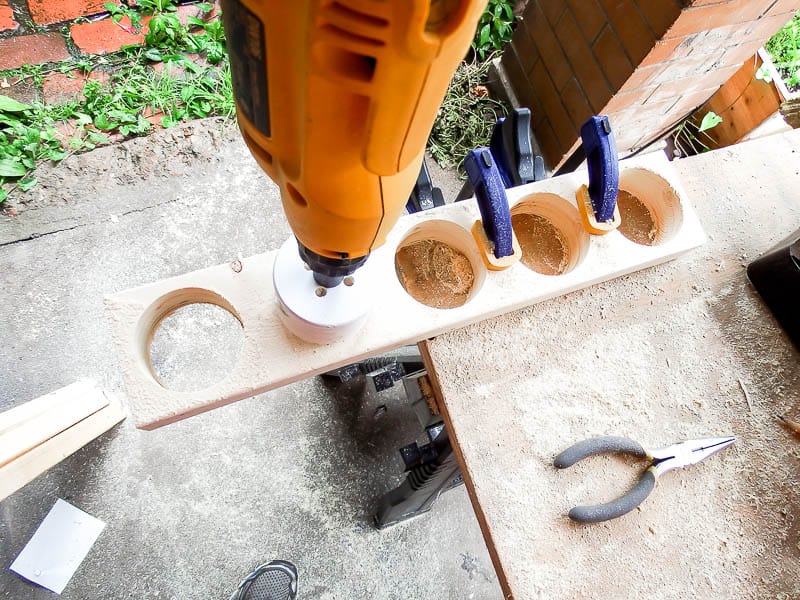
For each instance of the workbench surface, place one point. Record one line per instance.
(682, 350)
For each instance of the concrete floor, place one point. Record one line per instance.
(292, 474)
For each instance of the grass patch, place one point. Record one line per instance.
(466, 117)
(784, 48)
(193, 83)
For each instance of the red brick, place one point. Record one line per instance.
(641, 78)
(609, 53)
(554, 109)
(667, 50)
(590, 17)
(691, 102)
(659, 14)
(515, 72)
(552, 9)
(783, 7)
(21, 90)
(525, 47)
(101, 37)
(576, 104)
(583, 62)
(7, 21)
(33, 49)
(703, 18)
(631, 28)
(624, 100)
(548, 142)
(47, 12)
(549, 48)
(58, 88)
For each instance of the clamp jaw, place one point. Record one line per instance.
(597, 203)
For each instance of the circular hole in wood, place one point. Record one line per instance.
(649, 207)
(194, 346)
(438, 265)
(550, 234)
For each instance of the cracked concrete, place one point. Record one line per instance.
(294, 474)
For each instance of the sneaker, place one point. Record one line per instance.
(276, 580)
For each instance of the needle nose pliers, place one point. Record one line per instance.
(662, 460)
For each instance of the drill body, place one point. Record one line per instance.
(336, 99)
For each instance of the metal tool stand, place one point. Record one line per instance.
(436, 470)
(432, 468)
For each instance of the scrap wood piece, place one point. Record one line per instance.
(793, 425)
(25, 427)
(50, 451)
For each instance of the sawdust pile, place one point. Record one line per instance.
(434, 273)
(638, 224)
(544, 249)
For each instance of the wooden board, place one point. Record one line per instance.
(39, 434)
(272, 357)
(683, 350)
(35, 422)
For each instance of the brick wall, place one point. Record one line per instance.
(644, 63)
(36, 32)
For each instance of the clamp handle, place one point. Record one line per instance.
(603, 163)
(490, 194)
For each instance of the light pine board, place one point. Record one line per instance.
(272, 357)
(684, 350)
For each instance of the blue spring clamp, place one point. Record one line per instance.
(597, 203)
(493, 233)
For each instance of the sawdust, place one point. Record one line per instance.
(637, 221)
(543, 247)
(434, 273)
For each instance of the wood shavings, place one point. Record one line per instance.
(746, 395)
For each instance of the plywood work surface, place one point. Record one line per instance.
(272, 357)
(683, 350)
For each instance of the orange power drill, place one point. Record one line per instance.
(336, 99)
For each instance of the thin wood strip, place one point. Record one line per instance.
(19, 414)
(35, 462)
(466, 474)
(48, 416)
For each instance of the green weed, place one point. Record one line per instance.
(466, 117)
(134, 96)
(784, 48)
(494, 28)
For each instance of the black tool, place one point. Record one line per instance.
(666, 459)
(776, 276)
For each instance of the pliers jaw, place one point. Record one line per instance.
(688, 453)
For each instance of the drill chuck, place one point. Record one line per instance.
(329, 272)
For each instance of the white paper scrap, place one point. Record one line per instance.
(58, 547)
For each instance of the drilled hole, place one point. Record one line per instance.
(438, 266)
(550, 234)
(195, 346)
(649, 207)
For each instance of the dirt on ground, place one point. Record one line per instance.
(165, 154)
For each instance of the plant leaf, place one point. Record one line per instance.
(27, 183)
(710, 120)
(10, 105)
(11, 168)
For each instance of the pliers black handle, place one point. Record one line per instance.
(676, 456)
(596, 513)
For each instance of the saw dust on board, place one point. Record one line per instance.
(637, 221)
(543, 247)
(434, 273)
